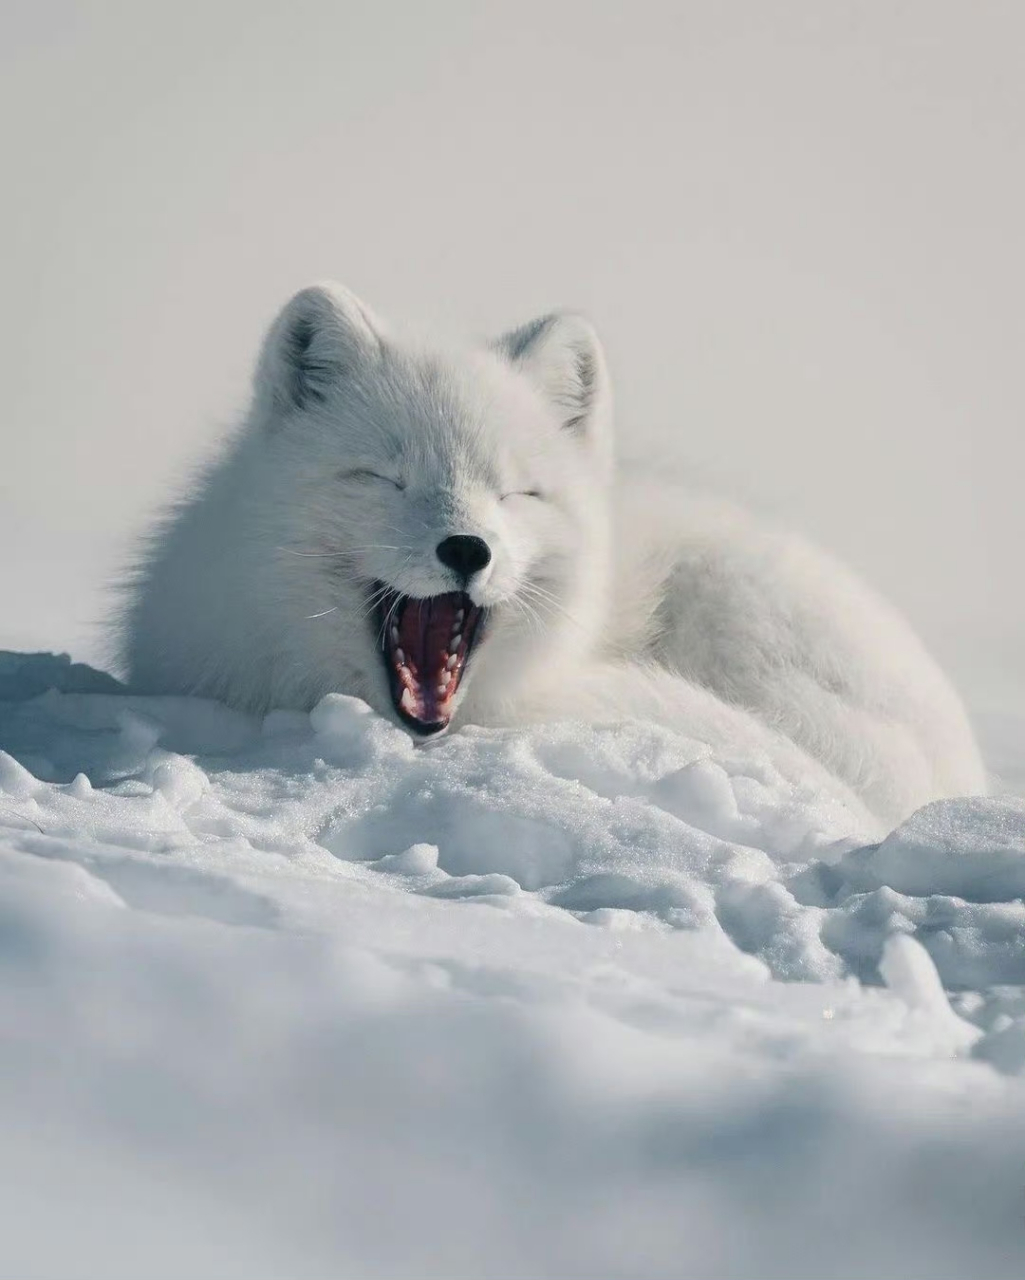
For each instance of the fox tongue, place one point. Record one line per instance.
(426, 645)
(425, 631)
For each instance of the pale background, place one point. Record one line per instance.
(798, 226)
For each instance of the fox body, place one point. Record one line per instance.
(445, 534)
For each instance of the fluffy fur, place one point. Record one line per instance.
(606, 595)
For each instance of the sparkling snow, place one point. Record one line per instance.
(301, 998)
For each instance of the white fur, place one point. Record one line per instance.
(609, 595)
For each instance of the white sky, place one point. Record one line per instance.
(797, 225)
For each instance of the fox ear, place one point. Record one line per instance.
(320, 336)
(561, 354)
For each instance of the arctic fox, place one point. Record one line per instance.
(444, 534)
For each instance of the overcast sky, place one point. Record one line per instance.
(799, 227)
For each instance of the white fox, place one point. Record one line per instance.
(444, 533)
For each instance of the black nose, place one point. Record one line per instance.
(463, 553)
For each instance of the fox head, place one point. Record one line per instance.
(447, 510)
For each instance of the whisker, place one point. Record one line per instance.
(529, 613)
(310, 555)
(551, 602)
(380, 594)
(332, 555)
(387, 621)
(527, 617)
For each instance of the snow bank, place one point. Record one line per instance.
(301, 998)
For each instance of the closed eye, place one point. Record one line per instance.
(359, 474)
(523, 493)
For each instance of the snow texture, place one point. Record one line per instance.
(299, 997)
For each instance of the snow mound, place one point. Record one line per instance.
(972, 848)
(299, 996)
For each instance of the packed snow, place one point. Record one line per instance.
(301, 997)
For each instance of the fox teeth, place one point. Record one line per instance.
(394, 635)
(406, 701)
(453, 658)
(400, 657)
(457, 640)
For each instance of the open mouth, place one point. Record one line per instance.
(426, 646)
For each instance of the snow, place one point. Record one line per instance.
(299, 997)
